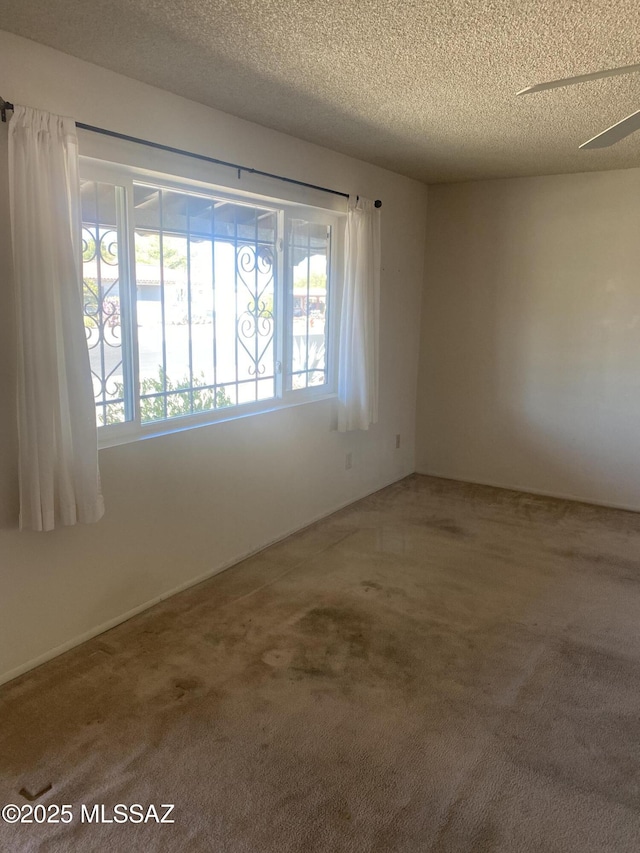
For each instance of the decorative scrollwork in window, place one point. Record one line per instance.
(101, 308)
(255, 325)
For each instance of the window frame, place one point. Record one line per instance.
(125, 176)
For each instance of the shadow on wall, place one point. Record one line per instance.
(531, 371)
(8, 425)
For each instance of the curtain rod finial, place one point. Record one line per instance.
(4, 106)
(377, 203)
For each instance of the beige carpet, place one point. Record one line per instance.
(439, 667)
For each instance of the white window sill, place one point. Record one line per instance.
(128, 433)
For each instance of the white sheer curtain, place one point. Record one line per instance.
(359, 320)
(59, 478)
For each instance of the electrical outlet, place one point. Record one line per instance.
(348, 461)
(398, 441)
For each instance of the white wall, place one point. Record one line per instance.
(187, 504)
(530, 358)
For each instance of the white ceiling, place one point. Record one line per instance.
(424, 88)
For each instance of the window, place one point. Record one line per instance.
(198, 302)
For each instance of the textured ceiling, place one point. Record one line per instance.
(423, 88)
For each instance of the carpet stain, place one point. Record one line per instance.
(444, 525)
(278, 658)
(331, 638)
(486, 838)
(628, 568)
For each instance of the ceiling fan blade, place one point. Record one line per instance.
(615, 133)
(581, 78)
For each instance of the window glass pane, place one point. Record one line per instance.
(102, 304)
(150, 302)
(309, 253)
(205, 272)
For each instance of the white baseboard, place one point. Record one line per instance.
(512, 487)
(117, 620)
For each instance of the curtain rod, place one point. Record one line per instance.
(5, 105)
